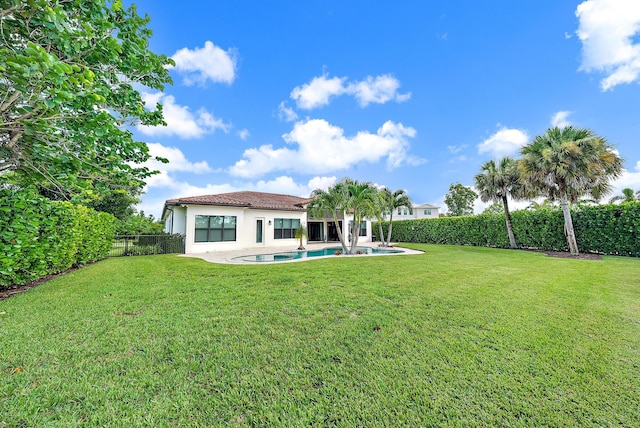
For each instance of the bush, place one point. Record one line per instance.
(604, 229)
(41, 237)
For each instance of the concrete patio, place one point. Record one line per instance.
(226, 257)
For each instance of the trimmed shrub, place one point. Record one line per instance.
(604, 229)
(41, 237)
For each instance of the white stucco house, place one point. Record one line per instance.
(419, 211)
(242, 220)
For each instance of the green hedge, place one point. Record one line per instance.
(604, 229)
(40, 237)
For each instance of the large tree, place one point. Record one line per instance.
(460, 200)
(565, 164)
(68, 73)
(497, 182)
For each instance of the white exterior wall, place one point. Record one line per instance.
(345, 229)
(176, 220)
(246, 223)
(418, 212)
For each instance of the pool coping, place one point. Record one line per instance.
(226, 257)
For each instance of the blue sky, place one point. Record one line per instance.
(289, 96)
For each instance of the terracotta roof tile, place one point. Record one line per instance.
(258, 200)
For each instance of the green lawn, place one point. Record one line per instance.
(458, 336)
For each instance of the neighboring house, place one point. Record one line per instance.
(419, 211)
(239, 220)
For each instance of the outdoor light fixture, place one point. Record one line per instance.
(269, 222)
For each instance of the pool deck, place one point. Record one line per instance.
(226, 257)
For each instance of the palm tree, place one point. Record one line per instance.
(398, 199)
(362, 198)
(628, 195)
(546, 203)
(301, 233)
(496, 183)
(382, 206)
(330, 201)
(566, 164)
(349, 196)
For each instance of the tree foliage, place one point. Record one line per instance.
(39, 237)
(460, 200)
(566, 164)
(139, 224)
(67, 76)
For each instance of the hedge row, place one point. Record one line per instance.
(604, 229)
(40, 237)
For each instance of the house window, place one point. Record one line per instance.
(427, 212)
(399, 210)
(285, 228)
(363, 228)
(215, 228)
(406, 211)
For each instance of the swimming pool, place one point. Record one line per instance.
(306, 254)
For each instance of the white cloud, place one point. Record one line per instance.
(607, 29)
(322, 147)
(457, 159)
(244, 134)
(560, 119)
(456, 149)
(286, 113)
(318, 93)
(207, 63)
(627, 179)
(177, 160)
(379, 90)
(506, 141)
(181, 121)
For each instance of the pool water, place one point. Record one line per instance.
(306, 254)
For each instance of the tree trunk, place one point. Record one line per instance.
(507, 216)
(381, 231)
(568, 225)
(386, 244)
(340, 236)
(355, 232)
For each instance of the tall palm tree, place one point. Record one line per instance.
(628, 195)
(566, 164)
(348, 196)
(361, 202)
(329, 202)
(382, 206)
(496, 182)
(395, 200)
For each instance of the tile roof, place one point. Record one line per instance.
(258, 200)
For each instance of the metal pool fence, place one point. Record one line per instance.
(143, 245)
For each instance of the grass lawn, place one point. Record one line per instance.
(458, 336)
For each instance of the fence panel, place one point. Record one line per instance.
(143, 245)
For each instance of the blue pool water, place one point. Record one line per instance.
(294, 255)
